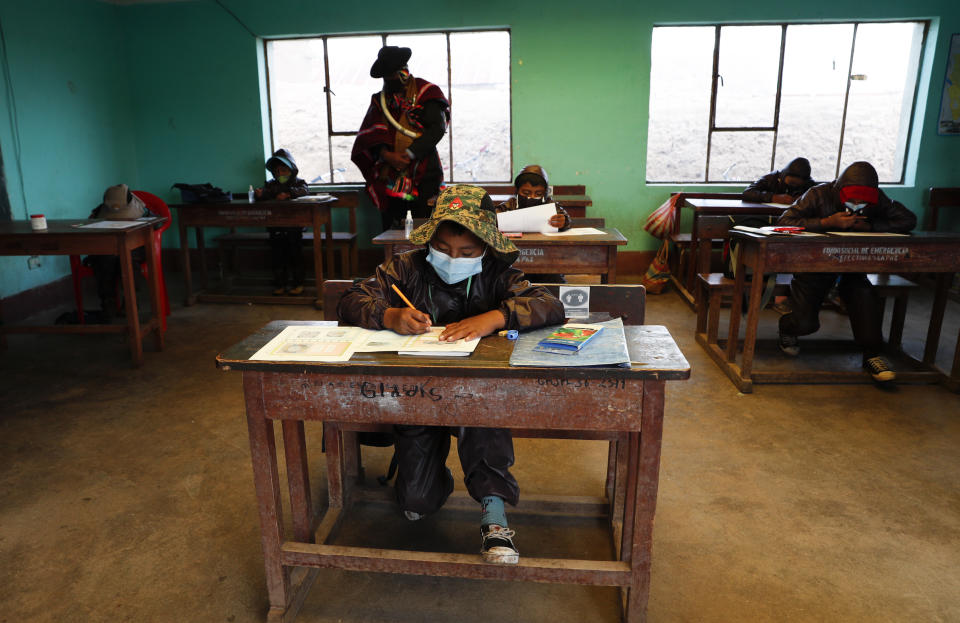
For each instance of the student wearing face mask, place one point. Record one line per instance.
(464, 280)
(533, 189)
(396, 146)
(852, 202)
(286, 243)
(783, 186)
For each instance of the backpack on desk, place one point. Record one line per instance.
(202, 193)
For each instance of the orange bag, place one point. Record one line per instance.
(658, 274)
(662, 220)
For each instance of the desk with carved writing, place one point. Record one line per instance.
(921, 252)
(274, 213)
(539, 253)
(622, 404)
(66, 237)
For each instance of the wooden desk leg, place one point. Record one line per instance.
(895, 341)
(329, 244)
(153, 277)
(733, 335)
(611, 276)
(188, 298)
(266, 480)
(202, 251)
(753, 319)
(936, 318)
(298, 480)
(647, 483)
(130, 303)
(317, 254)
(334, 451)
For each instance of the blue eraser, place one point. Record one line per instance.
(513, 334)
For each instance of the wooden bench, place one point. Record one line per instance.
(231, 243)
(714, 286)
(683, 258)
(626, 302)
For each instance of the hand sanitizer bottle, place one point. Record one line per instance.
(408, 225)
(250, 194)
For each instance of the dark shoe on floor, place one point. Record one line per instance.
(782, 308)
(497, 547)
(789, 344)
(413, 516)
(879, 369)
(295, 290)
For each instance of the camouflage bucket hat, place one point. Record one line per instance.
(463, 204)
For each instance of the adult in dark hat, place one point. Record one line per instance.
(396, 146)
(783, 186)
(852, 202)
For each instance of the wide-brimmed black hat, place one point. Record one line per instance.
(390, 58)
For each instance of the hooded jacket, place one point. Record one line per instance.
(499, 286)
(763, 190)
(295, 186)
(824, 199)
(511, 203)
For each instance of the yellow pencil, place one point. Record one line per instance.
(405, 299)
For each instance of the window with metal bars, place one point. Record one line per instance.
(319, 89)
(731, 102)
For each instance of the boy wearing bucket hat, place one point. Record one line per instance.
(852, 202)
(463, 280)
(396, 146)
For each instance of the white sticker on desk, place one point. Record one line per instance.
(576, 301)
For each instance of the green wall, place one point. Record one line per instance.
(580, 90)
(70, 79)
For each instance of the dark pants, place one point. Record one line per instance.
(807, 292)
(286, 254)
(106, 272)
(423, 480)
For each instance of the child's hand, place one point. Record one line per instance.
(841, 220)
(257, 192)
(557, 221)
(473, 327)
(282, 196)
(397, 160)
(782, 198)
(406, 321)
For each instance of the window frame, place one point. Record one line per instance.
(716, 77)
(448, 91)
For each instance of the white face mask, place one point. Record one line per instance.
(854, 206)
(454, 270)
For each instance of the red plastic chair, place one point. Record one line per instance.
(157, 206)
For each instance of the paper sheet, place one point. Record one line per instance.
(108, 225)
(426, 344)
(864, 233)
(778, 205)
(576, 231)
(311, 343)
(535, 219)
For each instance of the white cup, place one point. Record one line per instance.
(38, 222)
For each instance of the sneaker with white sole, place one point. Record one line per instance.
(497, 546)
(412, 516)
(789, 344)
(879, 369)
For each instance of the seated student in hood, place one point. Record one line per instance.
(783, 186)
(532, 189)
(464, 280)
(286, 243)
(852, 202)
(119, 204)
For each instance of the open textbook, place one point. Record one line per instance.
(330, 343)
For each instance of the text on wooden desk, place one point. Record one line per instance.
(369, 389)
(868, 253)
(584, 383)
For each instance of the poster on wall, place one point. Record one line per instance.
(950, 104)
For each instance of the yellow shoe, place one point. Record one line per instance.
(295, 291)
(279, 291)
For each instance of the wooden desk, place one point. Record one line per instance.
(922, 252)
(289, 213)
(574, 255)
(711, 221)
(481, 390)
(575, 205)
(63, 238)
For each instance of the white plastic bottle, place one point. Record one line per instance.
(250, 194)
(408, 225)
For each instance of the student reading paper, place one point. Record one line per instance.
(463, 279)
